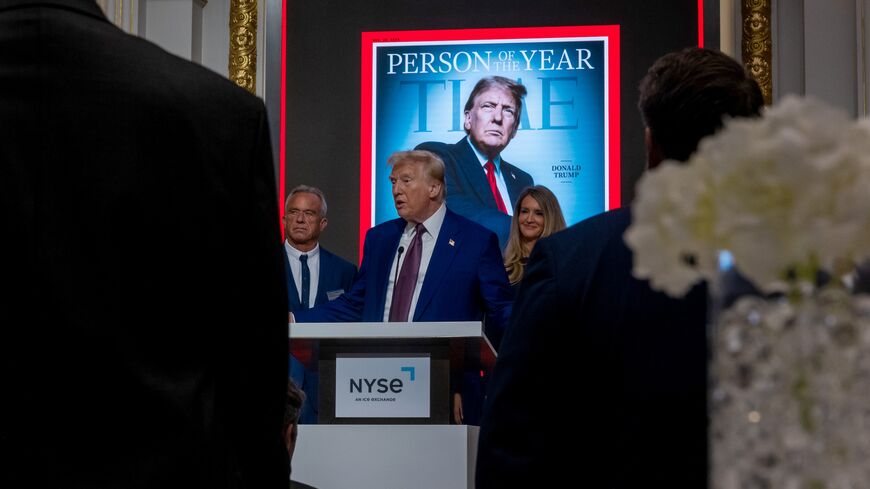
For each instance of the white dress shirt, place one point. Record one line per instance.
(428, 240)
(499, 176)
(296, 269)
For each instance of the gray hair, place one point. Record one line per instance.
(309, 190)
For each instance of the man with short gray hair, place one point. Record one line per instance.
(314, 275)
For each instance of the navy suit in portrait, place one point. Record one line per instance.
(465, 281)
(468, 191)
(335, 275)
(631, 360)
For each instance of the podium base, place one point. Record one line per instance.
(386, 456)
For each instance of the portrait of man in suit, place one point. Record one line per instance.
(314, 275)
(430, 264)
(481, 185)
(582, 322)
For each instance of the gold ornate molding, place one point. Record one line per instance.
(118, 13)
(757, 44)
(862, 60)
(243, 44)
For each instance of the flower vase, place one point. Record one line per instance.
(790, 392)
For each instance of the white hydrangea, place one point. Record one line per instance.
(782, 191)
(838, 205)
(670, 235)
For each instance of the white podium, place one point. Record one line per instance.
(386, 456)
(366, 450)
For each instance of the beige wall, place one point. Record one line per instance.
(197, 30)
(819, 48)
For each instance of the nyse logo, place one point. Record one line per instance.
(381, 385)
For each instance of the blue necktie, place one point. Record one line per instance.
(306, 282)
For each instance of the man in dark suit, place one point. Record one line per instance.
(324, 276)
(428, 265)
(314, 275)
(584, 326)
(480, 184)
(144, 305)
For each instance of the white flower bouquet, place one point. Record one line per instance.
(787, 196)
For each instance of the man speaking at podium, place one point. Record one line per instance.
(429, 265)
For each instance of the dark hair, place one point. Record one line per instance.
(685, 95)
(293, 408)
(517, 90)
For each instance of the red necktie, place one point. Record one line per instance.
(403, 290)
(490, 176)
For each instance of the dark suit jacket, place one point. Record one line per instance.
(634, 359)
(465, 280)
(335, 273)
(468, 192)
(144, 306)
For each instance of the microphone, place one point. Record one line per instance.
(398, 260)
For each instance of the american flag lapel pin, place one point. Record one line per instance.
(451, 242)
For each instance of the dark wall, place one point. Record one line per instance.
(323, 77)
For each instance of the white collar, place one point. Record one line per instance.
(432, 225)
(483, 159)
(293, 252)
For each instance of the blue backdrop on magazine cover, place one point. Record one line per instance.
(420, 92)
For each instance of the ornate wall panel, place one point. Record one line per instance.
(243, 44)
(757, 44)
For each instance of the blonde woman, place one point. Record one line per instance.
(537, 214)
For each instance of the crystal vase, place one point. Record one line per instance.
(790, 392)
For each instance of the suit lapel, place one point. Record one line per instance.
(470, 167)
(292, 292)
(322, 279)
(386, 251)
(448, 244)
(513, 184)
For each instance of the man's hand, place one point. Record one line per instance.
(290, 318)
(457, 408)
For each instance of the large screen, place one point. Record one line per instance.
(415, 85)
(342, 112)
